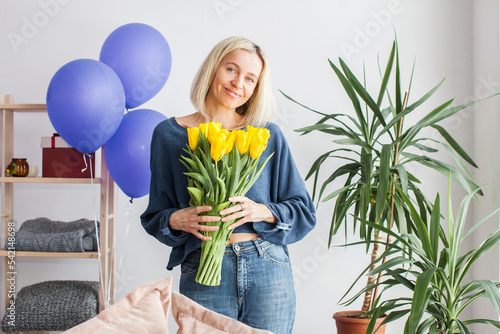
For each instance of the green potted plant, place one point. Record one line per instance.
(436, 271)
(375, 150)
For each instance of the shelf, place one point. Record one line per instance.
(83, 255)
(27, 107)
(9, 112)
(13, 179)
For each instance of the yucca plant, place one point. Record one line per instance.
(375, 150)
(436, 271)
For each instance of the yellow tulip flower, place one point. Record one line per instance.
(243, 141)
(193, 135)
(230, 139)
(258, 144)
(251, 129)
(217, 148)
(204, 129)
(213, 130)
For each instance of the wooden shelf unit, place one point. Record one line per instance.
(39, 179)
(78, 255)
(107, 205)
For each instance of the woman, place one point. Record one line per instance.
(233, 88)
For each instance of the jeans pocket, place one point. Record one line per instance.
(191, 263)
(276, 254)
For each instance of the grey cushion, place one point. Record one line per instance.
(53, 306)
(45, 235)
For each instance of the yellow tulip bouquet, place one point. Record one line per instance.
(221, 164)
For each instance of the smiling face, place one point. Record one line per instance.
(235, 80)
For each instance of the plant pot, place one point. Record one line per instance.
(349, 322)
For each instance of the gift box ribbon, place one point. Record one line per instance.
(53, 140)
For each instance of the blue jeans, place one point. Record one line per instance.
(256, 286)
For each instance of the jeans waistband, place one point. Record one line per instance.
(255, 245)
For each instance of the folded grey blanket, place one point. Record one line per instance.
(52, 306)
(45, 235)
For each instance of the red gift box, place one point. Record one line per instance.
(59, 159)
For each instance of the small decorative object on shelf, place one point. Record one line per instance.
(33, 172)
(17, 167)
(59, 159)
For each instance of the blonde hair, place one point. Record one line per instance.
(261, 106)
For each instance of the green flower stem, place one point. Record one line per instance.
(213, 183)
(212, 252)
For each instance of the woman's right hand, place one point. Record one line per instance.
(189, 220)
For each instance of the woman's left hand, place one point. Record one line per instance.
(248, 211)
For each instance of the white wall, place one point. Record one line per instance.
(453, 39)
(485, 120)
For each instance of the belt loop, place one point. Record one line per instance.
(257, 245)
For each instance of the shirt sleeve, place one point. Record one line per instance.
(290, 202)
(163, 200)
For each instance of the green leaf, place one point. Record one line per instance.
(454, 144)
(365, 186)
(492, 292)
(444, 169)
(385, 179)
(424, 98)
(256, 175)
(392, 123)
(211, 203)
(205, 167)
(339, 191)
(437, 117)
(353, 141)
(394, 262)
(354, 98)
(435, 225)
(207, 185)
(236, 171)
(493, 323)
(358, 87)
(463, 328)
(387, 74)
(196, 194)
(342, 170)
(491, 241)
(420, 300)
(222, 189)
(223, 206)
(326, 128)
(423, 147)
(459, 161)
(188, 163)
(306, 107)
(403, 177)
(473, 228)
(427, 120)
(399, 104)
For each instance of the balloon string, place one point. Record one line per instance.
(85, 161)
(128, 214)
(96, 226)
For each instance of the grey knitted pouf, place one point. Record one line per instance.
(52, 306)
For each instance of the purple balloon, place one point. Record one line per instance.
(141, 57)
(128, 152)
(85, 103)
